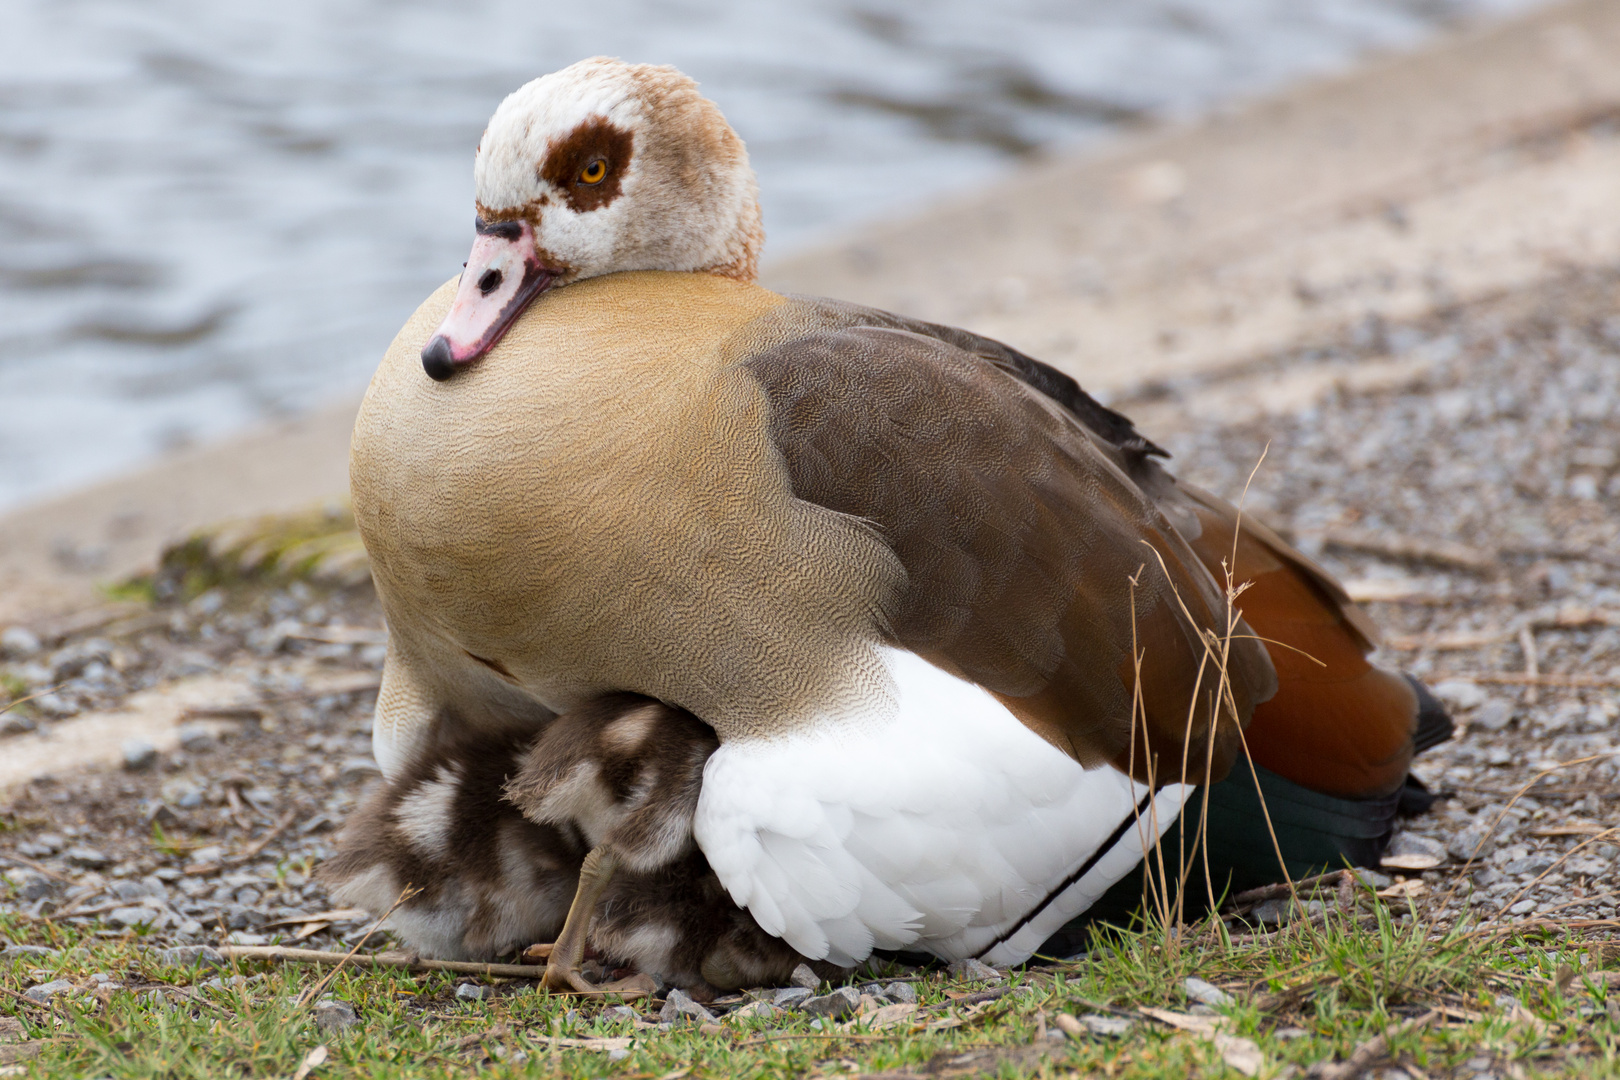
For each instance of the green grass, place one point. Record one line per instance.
(1305, 995)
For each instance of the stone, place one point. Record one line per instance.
(1273, 912)
(679, 1006)
(474, 992)
(1530, 864)
(754, 1010)
(1206, 993)
(36, 887)
(971, 970)
(207, 856)
(195, 738)
(901, 993)
(1460, 693)
(1523, 907)
(44, 992)
(1372, 878)
(789, 996)
(190, 956)
(19, 643)
(332, 1015)
(1494, 715)
(87, 857)
(838, 1005)
(1109, 1027)
(31, 952)
(139, 755)
(244, 937)
(1474, 842)
(135, 915)
(803, 977)
(1408, 851)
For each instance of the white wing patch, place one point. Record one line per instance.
(938, 821)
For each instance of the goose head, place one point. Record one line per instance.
(600, 167)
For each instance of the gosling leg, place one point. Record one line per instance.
(562, 967)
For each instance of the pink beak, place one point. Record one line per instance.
(503, 276)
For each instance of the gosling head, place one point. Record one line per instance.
(600, 167)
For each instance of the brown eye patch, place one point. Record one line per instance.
(594, 145)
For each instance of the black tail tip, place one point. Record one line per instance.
(436, 359)
(1434, 724)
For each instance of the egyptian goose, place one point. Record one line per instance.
(582, 835)
(955, 628)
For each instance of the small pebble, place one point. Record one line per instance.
(333, 1015)
(19, 643)
(44, 992)
(971, 970)
(87, 857)
(679, 1005)
(139, 755)
(1110, 1027)
(1408, 851)
(474, 992)
(131, 917)
(1494, 715)
(19, 952)
(1474, 842)
(754, 1010)
(195, 738)
(901, 993)
(838, 1005)
(803, 977)
(1206, 993)
(1460, 693)
(789, 996)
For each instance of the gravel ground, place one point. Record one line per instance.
(1480, 499)
(1483, 500)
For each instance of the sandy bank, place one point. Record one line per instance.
(1481, 164)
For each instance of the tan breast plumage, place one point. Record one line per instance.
(577, 511)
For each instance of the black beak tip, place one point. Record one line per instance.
(436, 359)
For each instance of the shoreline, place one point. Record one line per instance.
(1479, 164)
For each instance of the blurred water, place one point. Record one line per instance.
(213, 212)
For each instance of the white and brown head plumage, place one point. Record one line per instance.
(598, 168)
(621, 167)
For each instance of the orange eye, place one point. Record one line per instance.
(593, 173)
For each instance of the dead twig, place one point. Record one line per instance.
(1376, 1047)
(314, 992)
(38, 868)
(1273, 892)
(1412, 549)
(1532, 665)
(1576, 682)
(405, 961)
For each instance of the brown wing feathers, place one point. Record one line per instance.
(1020, 538)
(1337, 723)
(1019, 543)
